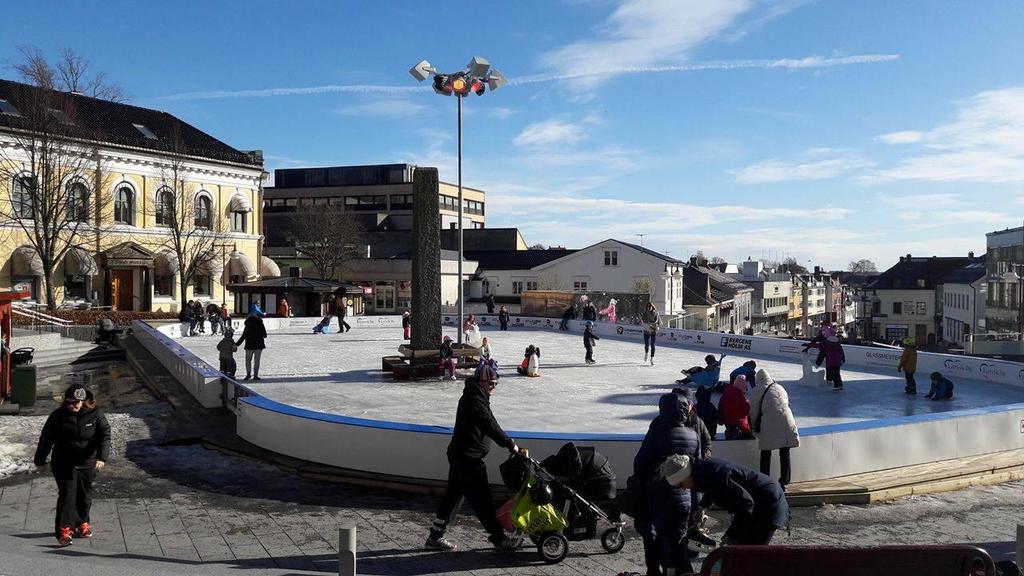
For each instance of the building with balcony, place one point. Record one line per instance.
(770, 297)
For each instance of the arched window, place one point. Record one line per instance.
(164, 207)
(203, 211)
(23, 196)
(124, 205)
(77, 207)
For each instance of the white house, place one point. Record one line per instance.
(964, 292)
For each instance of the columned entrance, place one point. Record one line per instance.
(128, 277)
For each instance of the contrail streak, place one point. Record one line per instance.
(784, 63)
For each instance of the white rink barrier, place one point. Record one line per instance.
(418, 451)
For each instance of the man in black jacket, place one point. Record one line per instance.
(756, 501)
(79, 437)
(475, 427)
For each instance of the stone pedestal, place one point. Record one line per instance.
(426, 261)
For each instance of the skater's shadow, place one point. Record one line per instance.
(632, 399)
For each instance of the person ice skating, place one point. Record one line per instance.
(340, 308)
(446, 359)
(406, 325)
(283, 310)
(711, 362)
(610, 311)
(756, 502)
(773, 424)
(187, 319)
(254, 334)
(664, 517)
(706, 410)
(589, 341)
(490, 303)
(200, 317)
(941, 389)
(475, 428)
(734, 410)
(485, 349)
(530, 366)
(651, 322)
(503, 317)
(908, 365)
(834, 360)
(226, 349)
(255, 310)
(569, 314)
(78, 435)
(589, 311)
(748, 370)
(472, 331)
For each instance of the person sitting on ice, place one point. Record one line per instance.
(446, 359)
(710, 363)
(530, 366)
(942, 387)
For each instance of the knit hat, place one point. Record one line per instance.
(762, 377)
(676, 469)
(76, 392)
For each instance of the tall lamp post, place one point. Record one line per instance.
(476, 78)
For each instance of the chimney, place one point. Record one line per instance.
(970, 254)
(295, 272)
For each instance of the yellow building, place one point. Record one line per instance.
(139, 164)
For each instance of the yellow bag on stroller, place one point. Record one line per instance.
(533, 518)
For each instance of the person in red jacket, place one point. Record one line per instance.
(734, 410)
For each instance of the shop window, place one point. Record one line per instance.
(74, 286)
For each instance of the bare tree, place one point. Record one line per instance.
(54, 182)
(538, 246)
(863, 265)
(792, 266)
(643, 285)
(327, 235)
(716, 260)
(72, 72)
(194, 229)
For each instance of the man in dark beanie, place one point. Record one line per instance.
(79, 437)
(475, 427)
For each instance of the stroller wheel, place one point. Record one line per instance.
(612, 540)
(553, 548)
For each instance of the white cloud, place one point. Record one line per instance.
(914, 203)
(399, 108)
(985, 143)
(646, 33)
(550, 133)
(813, 164)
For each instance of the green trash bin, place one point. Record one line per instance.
(23, 381)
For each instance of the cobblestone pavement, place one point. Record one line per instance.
(192, 510)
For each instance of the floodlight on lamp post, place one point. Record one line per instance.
(476, 78)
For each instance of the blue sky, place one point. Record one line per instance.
(829, 131)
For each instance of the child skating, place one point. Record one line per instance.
(406, 324)
(226, 349)
(530, 365)
(589, 339)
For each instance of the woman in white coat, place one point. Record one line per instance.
(773, 423)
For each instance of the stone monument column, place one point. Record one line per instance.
(426, 261)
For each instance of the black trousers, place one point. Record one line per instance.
(342, 325)
(649, 342)
(228, 366)
(766, 464)
(590, 352)
(832, 375)
(504, 325)
(911, 383)
(74, 496)
(467, 480)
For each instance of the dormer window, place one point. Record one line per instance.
(8, 108)
(145, 131)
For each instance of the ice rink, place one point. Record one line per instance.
(340, 373)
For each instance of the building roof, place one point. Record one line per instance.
(919, 273)
(648, 251)
(120, 124)
(966, 274)
(515, 259)
(294, 284)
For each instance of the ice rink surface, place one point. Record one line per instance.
(341, 374)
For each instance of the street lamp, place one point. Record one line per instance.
(477, 77)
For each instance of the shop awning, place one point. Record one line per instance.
(269, 268)
(239, 203)
(165, 263)
(240, 265)
(25, 261)
(78, 262)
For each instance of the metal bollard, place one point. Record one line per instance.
(347, 551)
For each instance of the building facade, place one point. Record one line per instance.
(963, 294)
(1004, 266)
(770, 297)
(121, 250)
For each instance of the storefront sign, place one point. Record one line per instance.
(735, 343)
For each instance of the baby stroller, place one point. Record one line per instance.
(570, 481)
